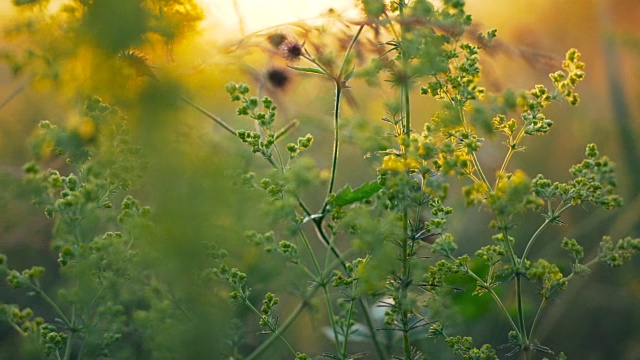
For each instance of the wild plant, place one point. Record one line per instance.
(387, 265)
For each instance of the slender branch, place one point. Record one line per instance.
(474, 157)
(216, 119)
(558, 211)
(339, 81)
(533, 239)
(336, 144)
(56, 308)
(273, 329)
(343, 352)
(523, 328)
(493, 294)
(69, 344)
(510, 153)
(257, 353)
(345, 61)
(535, 320)
(13, 94)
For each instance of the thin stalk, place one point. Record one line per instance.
(331, 316)
(495, 296)
(321, 234)
(474, 157)
(323, 284)
(290, 320)
(535, 320)
(367, 319)
(18, 329)
(216, 119)
(510, 251)
(407, 108)
(539, 231)
(285, 130)
(69, 344)
(406, 275)
(13, 94)
(343, 67)
(343, 353)
(523, 328)
(364, 308)
(510, 153)
(533, 239)
(336, 143)
(55, 307)
(273, 330)
(406, 266)
(336, 113)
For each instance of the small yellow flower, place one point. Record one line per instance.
(87, 129)
(392, 162)
(397, 163)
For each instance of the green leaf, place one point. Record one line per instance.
(348, 196)
(349, 75)
(308, 70)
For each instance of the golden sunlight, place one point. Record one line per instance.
(247, 16)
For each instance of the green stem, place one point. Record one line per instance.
(216, 119)
(348, 322)
(535, 320)
(510, 251)
(69, 344)
(323, 284)
(407, 108)
(474, 157)
(36, 288)
(336, 114)
(321, 234)
(406, 266)
(510, 153)
(331, 316)
(280, 331)
(523, 328)
(406, 276)
(495, 296)
(274, 330)
(364, 308)
(345, 61)
(372, 330)
(557, 213)
(336, 143)
(533, 239)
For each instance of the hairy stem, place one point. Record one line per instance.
(336, 145)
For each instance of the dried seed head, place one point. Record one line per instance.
(138, 61)
(276, 39)
(291, 50)
(278, 78)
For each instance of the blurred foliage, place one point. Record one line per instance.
(112, 76)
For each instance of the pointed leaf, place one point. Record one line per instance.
(348, 196)
(308, 70)
(349, 75)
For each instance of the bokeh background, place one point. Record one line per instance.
(595, 318)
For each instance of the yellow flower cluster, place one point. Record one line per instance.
(400, 163)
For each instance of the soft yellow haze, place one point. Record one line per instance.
(253, 15)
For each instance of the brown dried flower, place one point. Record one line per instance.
(278, 78)
(291, 50)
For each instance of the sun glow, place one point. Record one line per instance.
(247, 16)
